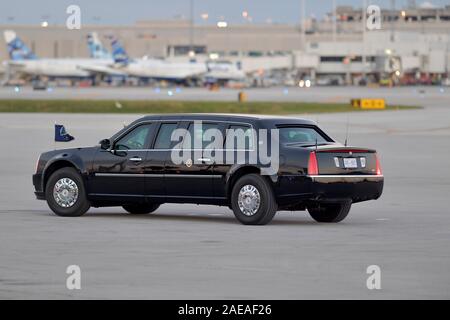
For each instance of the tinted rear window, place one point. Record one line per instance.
(301, 135)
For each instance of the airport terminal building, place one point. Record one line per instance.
(412, 44)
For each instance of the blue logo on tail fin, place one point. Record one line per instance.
(119, 53)
(96, 48)
(16, 47)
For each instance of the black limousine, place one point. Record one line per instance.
(264, 165)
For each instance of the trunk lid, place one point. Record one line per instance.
(339, 159)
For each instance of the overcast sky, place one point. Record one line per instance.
(122, 12)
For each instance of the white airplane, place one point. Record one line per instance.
(24, 61)
(222, 70)
(154, 68)
(102, 63)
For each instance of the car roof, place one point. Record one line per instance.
(265, 120)
(227, 117)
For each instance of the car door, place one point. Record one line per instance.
(119, 172)
(236, 146)
(157, 155)
(193, 179)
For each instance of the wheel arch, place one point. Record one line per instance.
(55, 165)
(234, 174)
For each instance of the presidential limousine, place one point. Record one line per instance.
(256, 165)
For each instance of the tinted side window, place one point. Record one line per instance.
(165, 133)
(136, 139)
(239, 137)
(199, 134)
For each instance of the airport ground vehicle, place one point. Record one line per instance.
(135, 169)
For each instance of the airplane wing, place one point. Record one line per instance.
(102, 69)
(12, 63)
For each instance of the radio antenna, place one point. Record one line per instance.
(346, 133)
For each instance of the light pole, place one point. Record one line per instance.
(303, 24)
(392, 15)
(334, 21)
(191, 29)
(364, 22)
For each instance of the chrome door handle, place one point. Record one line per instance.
(136, 159)
(204, 159)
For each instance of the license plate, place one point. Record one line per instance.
(350, 163)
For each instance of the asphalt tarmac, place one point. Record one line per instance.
(202, 252)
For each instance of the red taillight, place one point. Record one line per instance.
(312, 164)
(379, 173)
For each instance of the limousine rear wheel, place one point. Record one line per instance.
(65, 193)
(252, 200)
(141, 208)
(333, 212)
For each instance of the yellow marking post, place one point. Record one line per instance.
(242, 96)
(368, 103)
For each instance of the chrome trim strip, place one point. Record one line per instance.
(115, 195)
(345, 176)
(127, 175)
(152, 196)
(159, 121)
(150, 175)
(193, 176)
(194, 197)
(181, 149)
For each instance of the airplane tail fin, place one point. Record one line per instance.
(16, 47)
(119, 54)
(96, 48)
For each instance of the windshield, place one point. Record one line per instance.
(301, 135)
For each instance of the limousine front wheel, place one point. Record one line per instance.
(65, 193)
(141, 208)
(252, 200)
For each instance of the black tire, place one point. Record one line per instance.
(81, 205)
(141, 208)
(267, 206)
(332, 212)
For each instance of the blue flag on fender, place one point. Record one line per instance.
(61, 134)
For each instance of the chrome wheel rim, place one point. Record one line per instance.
(65, 192)
(249, 200)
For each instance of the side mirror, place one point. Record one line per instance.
(105, 144)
